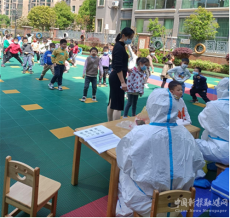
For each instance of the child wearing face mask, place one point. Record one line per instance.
(35, 46)
(150, 57)
(176, 89)
(90, 73)
(14, 48)
(181, 73)
(48, 65)
(167, 66)
(28, 53)
(135, 85)
(105, 60)
(199, 86)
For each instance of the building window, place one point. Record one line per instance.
(181, 26)
(73, 8)
(155, 4)
(127, 3)
(125, 23)
(140, 25)
(205, 3)
(101, 2)
(223, 30)
(168, 24)
(99, 25)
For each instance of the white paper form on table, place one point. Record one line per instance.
(99, 137)
(181, 122)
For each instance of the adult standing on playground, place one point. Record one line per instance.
(117, 79)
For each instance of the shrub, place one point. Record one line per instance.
(144, 52)
(182, 52)
(94, 41)
(159, 56)
(225, 69)
(177, 61)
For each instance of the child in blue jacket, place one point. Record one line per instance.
(199, 86)
(48, 65)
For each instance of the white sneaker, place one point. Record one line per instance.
(51, 86)
(59, 88)
(83, 99)
(94, 98)
(146, 86)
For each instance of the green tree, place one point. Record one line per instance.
(88, 11)
(64, 15)
(4, 20)
(201, 25)
(41, 17)
(23, 21)
(155, 28)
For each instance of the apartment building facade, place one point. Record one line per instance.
(171, 14)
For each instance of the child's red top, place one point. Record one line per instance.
(14, 48)
(75, 49)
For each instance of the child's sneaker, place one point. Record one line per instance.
(59, 88)
(3, 65)
(196, 101)
(94, 98)
(31, 72)
(41, 78)
(83, 99)
(51, 86)
(23, 71)
(99, 84)
(105, 84)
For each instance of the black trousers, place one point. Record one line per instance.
(58, 73)
(88, 80)
(10, 55)
(105, 72)
(202, 93)
(37, 54)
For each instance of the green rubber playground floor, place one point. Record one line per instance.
(25, 135)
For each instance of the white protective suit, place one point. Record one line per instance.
(214, 142)
(160, 156)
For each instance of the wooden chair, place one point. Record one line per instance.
(161, 202)
(30, 193)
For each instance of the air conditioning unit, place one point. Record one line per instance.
(115, 4)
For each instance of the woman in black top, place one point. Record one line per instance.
(117, 79)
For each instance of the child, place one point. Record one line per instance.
(28, 53)
(6, 44)
(110, 54)
(90, 73)
(42, 50)
(48, 65)
(181, 74)
(71, 46)
(29, 36)
(176, 89)
(75, 52)
(35, 46)
(199, 86)
(14, 48)
(58, 58)
(167, 66)
(151, 56)
(135, 85)
(133, 56)
(104, 59)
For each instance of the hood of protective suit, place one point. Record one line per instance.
(160, 106)
(223, 88)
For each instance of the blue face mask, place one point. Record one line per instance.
(93, 56)
(128, 41)
(195, 73)
(105, 53)
(144, 68)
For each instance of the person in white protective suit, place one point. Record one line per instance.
(214, 142)
(160, 155)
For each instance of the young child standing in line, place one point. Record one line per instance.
(75, 52)
(28, 53)
(35, 46)
(151, 56)
(167, 66)
(90, 73)
(70, 48)
(48, 65)
(133, 56)
(135, 85)
(104, 59)
(181, 73)
(199, 86)
(42, 50)
(14, 48)
(59, 56)
(176, 89)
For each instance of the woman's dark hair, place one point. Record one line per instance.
(127, 31)
(173, 84)
(151, 49)
(63, 41)
(169, 57)
(93, 48)
(142, 60)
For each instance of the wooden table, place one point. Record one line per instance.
(111, 157)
